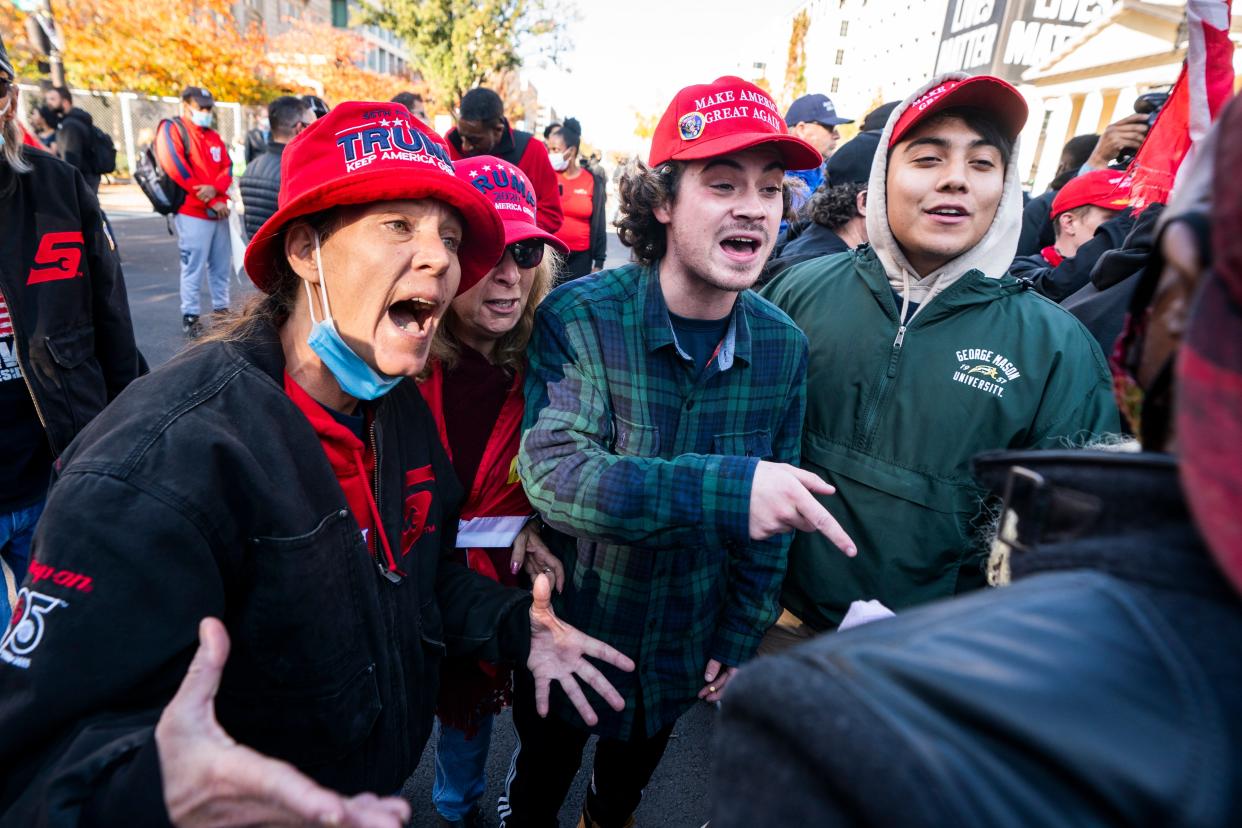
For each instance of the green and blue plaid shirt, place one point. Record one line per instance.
(647, 462)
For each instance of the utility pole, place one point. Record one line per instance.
(48, 22)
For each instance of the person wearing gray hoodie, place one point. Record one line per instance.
(923, 353)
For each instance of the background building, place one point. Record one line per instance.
(385, 52)
(1080, 64)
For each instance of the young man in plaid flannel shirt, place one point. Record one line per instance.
(664, 408)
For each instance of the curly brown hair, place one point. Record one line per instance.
(834, 206)
(642, 189)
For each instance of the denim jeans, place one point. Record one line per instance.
(205, 249)
(461, 767)
(16, 531)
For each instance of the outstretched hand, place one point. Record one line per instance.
(211, 781)
(558, 653)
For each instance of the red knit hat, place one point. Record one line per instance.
(724, 116)
(981, 92)
(511, 193)
(1109, 189)
(363, 152)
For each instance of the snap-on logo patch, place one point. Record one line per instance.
(26, 629)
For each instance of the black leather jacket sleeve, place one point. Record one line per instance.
(112, 628)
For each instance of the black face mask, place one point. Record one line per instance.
(50, 116)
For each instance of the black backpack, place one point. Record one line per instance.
(165, 195)
(102, 155)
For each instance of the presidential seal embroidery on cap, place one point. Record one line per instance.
(691, 125)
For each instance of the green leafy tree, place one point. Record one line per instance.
(795, 63)
(459, 44)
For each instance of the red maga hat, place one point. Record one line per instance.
(362, 152)
(724, 116)
(511, 193)
(1109, 189)
(985, 92)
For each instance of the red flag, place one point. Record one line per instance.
(1202, 88)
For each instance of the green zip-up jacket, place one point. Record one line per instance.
(893, 421)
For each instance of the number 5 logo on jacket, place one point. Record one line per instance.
(59, 257)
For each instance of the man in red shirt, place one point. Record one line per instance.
(194, 155)
(482, 129)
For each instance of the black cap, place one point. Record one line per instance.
(877, 118)
(199, 95)
(5, 64)
(851, 163)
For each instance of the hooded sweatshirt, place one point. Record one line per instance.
(992, 255)
(899, 402)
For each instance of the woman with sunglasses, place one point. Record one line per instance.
(474, 390)
(279, 497)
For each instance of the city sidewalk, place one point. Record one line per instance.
(121, 199)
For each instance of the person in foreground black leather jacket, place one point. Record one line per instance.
(1102, 686)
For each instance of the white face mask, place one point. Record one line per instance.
(559, 162)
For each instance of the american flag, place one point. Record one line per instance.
(1201, 91)
(6, 322)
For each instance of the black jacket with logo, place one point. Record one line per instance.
(66, 296)
(204, 491)
(260, 187)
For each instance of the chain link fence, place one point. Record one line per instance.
(131, 120)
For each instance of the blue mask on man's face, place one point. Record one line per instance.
(352, 373)
(201, 117)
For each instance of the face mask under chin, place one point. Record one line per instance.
(352, 373)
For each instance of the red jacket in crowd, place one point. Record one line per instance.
(531, 157)
(206, 162)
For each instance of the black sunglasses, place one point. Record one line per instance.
(5, 85)
(527, 254)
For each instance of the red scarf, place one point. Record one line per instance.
(354, 466)
(493, 513)
(1052, 256)
(496, 508)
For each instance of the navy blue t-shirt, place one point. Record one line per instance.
(699, 337)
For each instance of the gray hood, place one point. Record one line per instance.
(992, 255)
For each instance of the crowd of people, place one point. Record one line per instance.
(445, 463)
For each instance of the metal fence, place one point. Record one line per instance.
(131, 119)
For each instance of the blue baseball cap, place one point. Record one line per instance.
(817, 109)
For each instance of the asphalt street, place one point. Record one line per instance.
(677, 796)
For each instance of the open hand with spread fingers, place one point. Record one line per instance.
(558, 652)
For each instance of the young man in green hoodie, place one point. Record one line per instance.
(923, 353)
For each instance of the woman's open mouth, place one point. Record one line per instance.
(503, 307)
(414, 316)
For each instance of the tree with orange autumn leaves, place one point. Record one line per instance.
(157, 47)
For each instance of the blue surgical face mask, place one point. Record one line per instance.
(352, 373)
(202, 119)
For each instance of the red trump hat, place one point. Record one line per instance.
(724, 116)
(985, 92)
(1109, 189)
(511, 193)
(363, 152)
